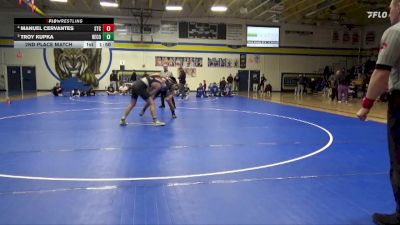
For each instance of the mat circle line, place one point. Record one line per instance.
(209, 174)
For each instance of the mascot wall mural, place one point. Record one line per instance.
(83, 64)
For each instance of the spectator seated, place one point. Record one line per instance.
(76, 93)
(228, 90)
(214, 90)
(90, 92)
(200, 91)
(124, 89)
(57, 90)
(187, 90)
(111, 91)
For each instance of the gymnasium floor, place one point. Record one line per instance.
(222, 161)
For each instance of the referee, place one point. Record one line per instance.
(163, 93)
(387, 71)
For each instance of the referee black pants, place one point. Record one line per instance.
(393, 127)
(163, 94)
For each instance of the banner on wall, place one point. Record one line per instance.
(223, 62)
(242, 61)
(253, 59)
(190, 72)
(179, 61)
(81, 64)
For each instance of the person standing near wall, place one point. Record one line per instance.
(205, 87)
(268, 89)
(261, 86)
(230, 79)
(333, 83)
(387, 74)
(326, 72)
(237, 80)
(255, 80)
(114, 79)
(222, 85)
(182, 82)
(343, 88)
(300, 85)
(133, 77)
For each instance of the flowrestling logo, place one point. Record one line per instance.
(377, 14)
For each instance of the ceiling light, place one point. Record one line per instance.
(173, 8)
(219, 8)
(109, 4)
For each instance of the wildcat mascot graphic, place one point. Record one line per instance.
(81, 63)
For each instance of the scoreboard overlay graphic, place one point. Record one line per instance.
(63, 33)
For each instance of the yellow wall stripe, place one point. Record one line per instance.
(216, 49)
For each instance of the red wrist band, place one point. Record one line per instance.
(367, 103)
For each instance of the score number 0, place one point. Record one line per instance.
(108, 27)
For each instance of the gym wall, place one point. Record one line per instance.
(307, 54)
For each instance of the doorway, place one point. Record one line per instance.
(21, 79)
(248, 78)
(14, 79)
(29, 78)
